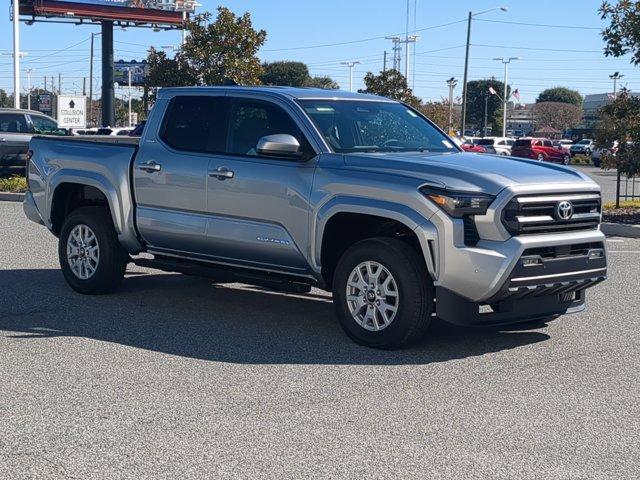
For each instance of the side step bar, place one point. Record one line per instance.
(222, 274)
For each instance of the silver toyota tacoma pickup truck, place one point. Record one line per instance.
(297, 188)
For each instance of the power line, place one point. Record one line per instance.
(543, 25)
(362, 40)
(515, 47)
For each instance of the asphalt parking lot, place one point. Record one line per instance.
(174, 377)
(605, 178)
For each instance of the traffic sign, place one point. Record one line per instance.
(72, 111)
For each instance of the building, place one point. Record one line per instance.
(520, 120)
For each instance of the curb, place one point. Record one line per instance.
(11, 197)
(620, 230)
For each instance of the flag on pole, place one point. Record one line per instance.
(492, 91)
(516, 95)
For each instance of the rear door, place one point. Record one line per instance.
(14, 142)
(170, 173)
(259, 211)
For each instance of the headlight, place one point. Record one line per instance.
(459, 204)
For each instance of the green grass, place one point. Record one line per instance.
(14, 184)
(623, 204)
(581, 160)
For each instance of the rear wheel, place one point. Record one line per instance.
(91, 258)
(382, 293)
(566, 159)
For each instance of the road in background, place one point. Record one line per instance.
(605, 178)
(174, 377)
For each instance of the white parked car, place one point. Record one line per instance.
(502, 145)
(565, 144)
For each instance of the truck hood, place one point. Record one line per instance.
(466, 171)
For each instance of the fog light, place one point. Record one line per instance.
(531, 261)
(596, 253)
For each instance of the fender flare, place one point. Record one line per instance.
(412, 219)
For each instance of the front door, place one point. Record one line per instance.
(170, 173)
(259, 205)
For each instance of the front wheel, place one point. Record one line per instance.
(540, 157)
(91, 258)
(382, 293)
(566, 159)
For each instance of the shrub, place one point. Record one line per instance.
(13, 184)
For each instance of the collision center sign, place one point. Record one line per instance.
(72, 111)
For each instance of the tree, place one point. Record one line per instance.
(223, 51)
(6, 101)
(292, 74)
(622, 36)
(327, 83)
(477, 92)
(620, 122)
(391, 84)
(168, 72)
(560, 116)
(560, 95)
(438, 113)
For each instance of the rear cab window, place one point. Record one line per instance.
(13, 123)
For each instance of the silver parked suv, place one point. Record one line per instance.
(293, 188)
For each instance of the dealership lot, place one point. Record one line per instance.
(174, 377)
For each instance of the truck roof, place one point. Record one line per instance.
(289, 92)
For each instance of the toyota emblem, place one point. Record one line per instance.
(564, 210)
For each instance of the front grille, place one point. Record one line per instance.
(531, 214)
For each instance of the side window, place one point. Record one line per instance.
(253, 119)
(547, 143)
(13, 123)
(43, 124)
(196, 124)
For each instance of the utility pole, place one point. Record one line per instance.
(384, 62)
(452, 82)
(407, 58)
(91, 79)
(466, 64)
(28, 71)
(59, 83)
(350, 64)
(615, 77)
(45, 83)
(84, 86)
(108, 107)
(16, 53)
(505, 95)
(396, 51)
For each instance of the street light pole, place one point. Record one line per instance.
(505, 95)
(28, 71)
(615, 77)
(452, 82)
(16, 54)
(129, 69)
(466, 63)
(350, 65)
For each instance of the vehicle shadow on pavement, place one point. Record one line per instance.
(191, 317)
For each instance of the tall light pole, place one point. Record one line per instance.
(452, 82)
(129, 70)
(505, 95)
(16, 53)
(615, 77)
(28, 72)
(408, 40)
(350, 65)
(396, 51)
(466, 63)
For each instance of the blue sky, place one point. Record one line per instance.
(549, 56)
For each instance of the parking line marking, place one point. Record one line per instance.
(624, 251)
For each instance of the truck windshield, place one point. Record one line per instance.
(362, 126)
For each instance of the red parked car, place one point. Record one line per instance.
(541, 149)
(469, 146)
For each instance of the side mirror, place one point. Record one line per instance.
(280, 144)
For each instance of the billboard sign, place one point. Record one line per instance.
(156, 12)
(44, 103)
(139, 71)
(72, 111)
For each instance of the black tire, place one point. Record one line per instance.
(566, 160)
(414, 286)
(113, 259)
